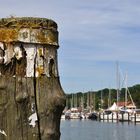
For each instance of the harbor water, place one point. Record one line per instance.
(95, 130)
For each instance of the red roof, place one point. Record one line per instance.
(123, 104)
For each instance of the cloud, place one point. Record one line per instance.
(102, 33)
(90, 32)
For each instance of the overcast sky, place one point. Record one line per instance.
(93, 35)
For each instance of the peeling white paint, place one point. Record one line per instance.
(3, 132)
(1, 46)
(32, 107)
(33, 119)
(6, 60)
(9, 53)
(1, 50)
(31, 53)
(18, 52)
(37, 56)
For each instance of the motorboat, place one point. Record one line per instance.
(93, 116)
(74, 113)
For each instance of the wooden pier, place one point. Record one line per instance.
(124, 117)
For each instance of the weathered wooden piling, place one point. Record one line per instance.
(128, 117)
(135, 115)
(31, 97)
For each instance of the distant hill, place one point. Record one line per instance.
(100, 99)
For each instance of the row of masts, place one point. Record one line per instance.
(127, 92)
(89, 100)
(84, 101)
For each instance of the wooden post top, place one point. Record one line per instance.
(29, 30)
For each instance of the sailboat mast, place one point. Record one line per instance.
(118, 82)
(72, 101)
(94, 102)
(101, 99)
(109, 98)
(87, 100)
(126, 90)
(82, 102)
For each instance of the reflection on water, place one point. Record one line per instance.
(94, 130)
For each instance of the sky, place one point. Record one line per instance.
(93, 36)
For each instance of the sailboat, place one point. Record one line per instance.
(128, 107)
(111, 112)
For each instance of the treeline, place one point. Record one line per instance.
(102, 98)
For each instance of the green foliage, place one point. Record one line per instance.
(93, 98)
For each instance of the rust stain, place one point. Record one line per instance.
(40, 70)
(8, 35)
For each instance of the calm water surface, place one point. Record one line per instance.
(94, 130)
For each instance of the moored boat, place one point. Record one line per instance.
(74, 113)
(135, 117)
